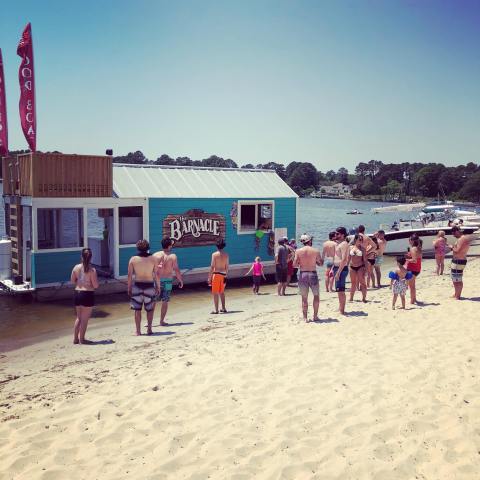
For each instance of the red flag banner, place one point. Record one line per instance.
(26, 78)
(3, 113)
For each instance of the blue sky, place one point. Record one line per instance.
(330, 82)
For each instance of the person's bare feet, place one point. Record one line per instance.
(76, 341)
(149, 332)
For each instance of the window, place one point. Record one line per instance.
(255, 216)
(59, 228)
(130, 224)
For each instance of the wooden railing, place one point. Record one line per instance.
(57, 175)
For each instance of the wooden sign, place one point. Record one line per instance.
(194, 228)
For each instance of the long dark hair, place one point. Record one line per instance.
(86, 259)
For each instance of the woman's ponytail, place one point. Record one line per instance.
(86, 258)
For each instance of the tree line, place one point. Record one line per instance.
(390, 181)
(395, 181)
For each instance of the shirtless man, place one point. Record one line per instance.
(382, 245)
(144, 288)
(340, 266)
(371, 249)
(167, 266)
(217, 275)
(307, 258)
(459, 260)
(328, 253)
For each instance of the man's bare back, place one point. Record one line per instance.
(219, 262)
(307, 258)
(143, 268)
(329, 249)
(166, 264)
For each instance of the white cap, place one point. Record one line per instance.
(305, 238)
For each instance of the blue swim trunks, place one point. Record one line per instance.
(166, 285)
(342, 278)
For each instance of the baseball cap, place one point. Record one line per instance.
(305, 238)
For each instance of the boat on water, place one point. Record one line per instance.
(355, 212)
(398, 234)
(402, 207)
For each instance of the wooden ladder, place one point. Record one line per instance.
(16, 236)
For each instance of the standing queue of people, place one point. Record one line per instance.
(151, 276)
(150, 280)
(361, 257)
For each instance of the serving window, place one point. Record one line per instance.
(253, 216)
(59, 228)
(130, 221)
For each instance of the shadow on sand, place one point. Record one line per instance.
(100, 342)
(356, 313)
(426, 304)
(159, 334)
(326, 320)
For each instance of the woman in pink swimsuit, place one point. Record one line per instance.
(440, 246)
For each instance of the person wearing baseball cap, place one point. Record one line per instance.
(307, 258)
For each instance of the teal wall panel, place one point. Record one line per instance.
(53, 267)
(124, 256)
(241, 248)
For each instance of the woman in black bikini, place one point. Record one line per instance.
(371, 256)
(358, 260)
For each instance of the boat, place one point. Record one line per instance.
(402, 207)
(355, 212)
(397, 236)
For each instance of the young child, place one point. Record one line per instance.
(257, 268)
(440, 246)
(398, 281)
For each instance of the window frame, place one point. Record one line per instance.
(55, 231)
(256, 203)
(126, 245)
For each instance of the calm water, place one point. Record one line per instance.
(24, 321)
(319, 216)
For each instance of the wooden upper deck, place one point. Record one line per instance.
(57, 175)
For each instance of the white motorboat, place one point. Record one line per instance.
(397, 239)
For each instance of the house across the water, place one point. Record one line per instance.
(56, 204)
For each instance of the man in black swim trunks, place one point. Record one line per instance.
(142, 285)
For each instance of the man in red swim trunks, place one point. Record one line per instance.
(218, 274)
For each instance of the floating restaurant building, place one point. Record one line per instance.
(56, 204)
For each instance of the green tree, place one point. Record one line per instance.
(330, 176)
(133, 157)
(471, 188)
(164, 159)
(342, 175)
(392, 189)
(427, 179)
(304, 176)
(278, 167)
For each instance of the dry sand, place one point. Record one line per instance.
(257, 394)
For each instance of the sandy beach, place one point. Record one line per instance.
(256, 393)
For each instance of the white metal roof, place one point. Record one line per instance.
(159, 181)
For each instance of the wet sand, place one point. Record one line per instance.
(256, 393)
